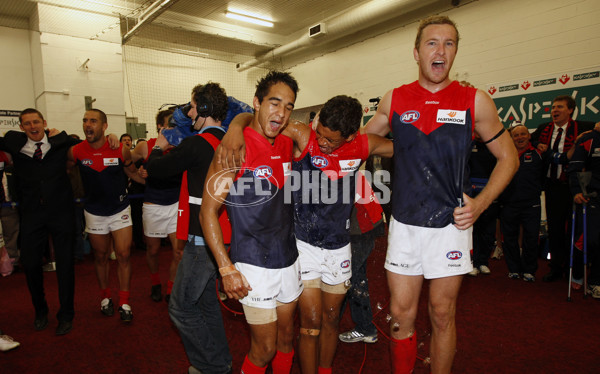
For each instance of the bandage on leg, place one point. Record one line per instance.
(309, 332)
(336, 289)
(259, 316)
(312, 283)
(404, 354)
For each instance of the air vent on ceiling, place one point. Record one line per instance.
(317, 30)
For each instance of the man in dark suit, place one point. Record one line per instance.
(46, 211)
(558, 137)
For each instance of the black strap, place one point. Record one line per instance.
(495, 136)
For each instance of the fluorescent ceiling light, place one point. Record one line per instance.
(241, 17)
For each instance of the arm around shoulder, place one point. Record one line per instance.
(380, 122)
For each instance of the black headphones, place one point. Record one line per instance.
(204, 107)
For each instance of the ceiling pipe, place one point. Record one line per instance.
(359, 18)
(150, 14)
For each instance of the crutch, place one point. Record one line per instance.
(584, 178)
(571, 255)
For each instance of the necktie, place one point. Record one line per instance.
(37, 155)
(554, 166)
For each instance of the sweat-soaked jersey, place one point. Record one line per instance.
(432, 142)
(103, 178)
(323, 204)
(261, 220)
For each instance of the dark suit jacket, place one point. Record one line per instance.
(42, 184)
(544, 130)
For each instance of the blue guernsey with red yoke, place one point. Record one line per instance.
(432, 142)
(103, 178)
(261, 221)
(323, 204)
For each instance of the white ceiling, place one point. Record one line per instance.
(199, 27)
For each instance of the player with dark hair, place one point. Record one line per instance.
(106, 209)
(262, 269)
(323, 192)
(159, 211)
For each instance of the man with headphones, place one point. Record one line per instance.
(193, 306)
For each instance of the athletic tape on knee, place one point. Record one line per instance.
(310, 332)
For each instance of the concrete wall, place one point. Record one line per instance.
(16, 73)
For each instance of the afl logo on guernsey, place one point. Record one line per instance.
(87, 162)
(410, 116)
(319, 162)
(454, 255)
(263, 172)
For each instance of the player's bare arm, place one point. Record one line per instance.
(380, 146)
(489, 128)
(379, 124)
(232, 150)
(216, 189)
(129, 167)
(140, 152)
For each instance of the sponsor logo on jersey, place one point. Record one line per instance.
(527, 158)
(287, 168)
(596, 152)
(409, 116)
(263, 172)
(432, 102)
(349, 165)
(319, 161)
(345, 264)
(125, 217)
(110, 161)
(87, 162)
(451, 116)
(454, 255)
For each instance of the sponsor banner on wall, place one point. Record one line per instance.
(529, 100)
(9, 120)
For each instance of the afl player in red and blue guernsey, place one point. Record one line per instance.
(262, 270)
(433, 121)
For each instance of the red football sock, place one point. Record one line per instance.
(325, 371)
(105, 293)
(404, 354)
(282, 362)
(249, 368)
(155, 278)
(169, 286)
(123, 297)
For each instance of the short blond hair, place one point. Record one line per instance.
(434, 20)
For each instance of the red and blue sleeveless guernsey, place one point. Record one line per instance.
(432, 135)
(103, 178)
(261, 220)
(323, 204)
(161, 191)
